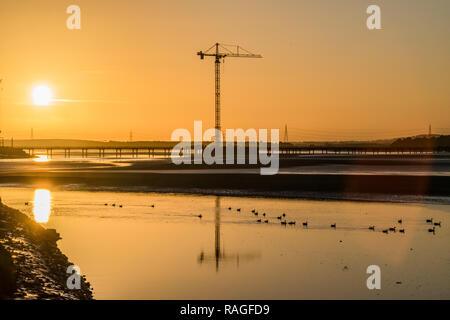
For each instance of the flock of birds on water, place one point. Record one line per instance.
(106, 204)
(284, 222)
(121, 206)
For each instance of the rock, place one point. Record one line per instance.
(7, 274)
(31, 265)
(51, 235)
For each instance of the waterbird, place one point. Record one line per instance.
(239, 210)
(432, 230)
(259, 220)
(253, 211)
(266, 221)
(292, 222)
(402, 230)
(430, 220)
(372, 228)
(305, 224)
(26, 203)
(113, 204)
(264, 214)
(284, 214)
(437, 223)
(279, 218)
(333, 225)
(229, 208)
(106, 204)
(152, 206)
(385, 231)
(120, 206)
(256, 213)
(200, 216)
(283, 222)
(400, 221)
(392, 229)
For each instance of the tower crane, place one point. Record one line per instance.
(222, 51)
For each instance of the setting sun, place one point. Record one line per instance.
(42, 95)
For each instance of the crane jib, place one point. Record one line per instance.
(221, 51)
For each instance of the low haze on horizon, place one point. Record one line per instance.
(133, 66)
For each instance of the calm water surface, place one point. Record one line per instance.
(168, 252)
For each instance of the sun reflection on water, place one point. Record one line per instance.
(42, 205)
(41, 158)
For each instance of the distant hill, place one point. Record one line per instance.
(72, 143)
(423, 141)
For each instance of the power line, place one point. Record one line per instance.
(358, 134)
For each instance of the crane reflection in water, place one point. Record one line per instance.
(219, 253)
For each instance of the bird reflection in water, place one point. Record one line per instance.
(219, 254)
(42, 205)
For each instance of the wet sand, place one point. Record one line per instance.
(160, 175)
(283, 185)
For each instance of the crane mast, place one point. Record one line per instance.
(217, 89)
(222, 51)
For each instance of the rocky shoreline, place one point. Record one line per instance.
(31, 265)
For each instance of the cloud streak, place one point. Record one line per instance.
(89, 101)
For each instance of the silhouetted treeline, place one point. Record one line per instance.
(433, 142)
(7, 152)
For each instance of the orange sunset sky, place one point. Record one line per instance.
(133, 66)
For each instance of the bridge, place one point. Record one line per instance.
(99, 151)
(285, 149)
